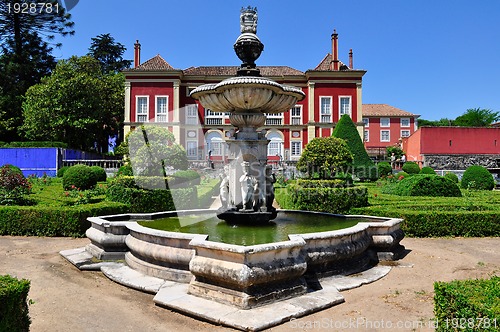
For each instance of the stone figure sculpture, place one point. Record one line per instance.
(270, 180)
(224, 188)
(247, 183)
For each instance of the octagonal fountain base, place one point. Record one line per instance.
(246, 287)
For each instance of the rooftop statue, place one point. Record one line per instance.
(248, 20)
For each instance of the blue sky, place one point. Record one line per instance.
(433, 58)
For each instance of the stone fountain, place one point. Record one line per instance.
(249, 287)
(247, 191)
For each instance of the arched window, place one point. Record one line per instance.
(275, 147)
(215, 143)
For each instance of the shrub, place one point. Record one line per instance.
(37, 144)
(427, 170)
(325, 156)
(125, 170)
(411, 167)
(424, 185)
(401, 175)
(13, 186)
(477, 177)
(470, 305)
(14, 312)
(100, 173)
(185, 178)
(61, 171)
(79, 177)
(362, 166)
(384, 168)
(451, 176)
(335, 183)
(398, 153)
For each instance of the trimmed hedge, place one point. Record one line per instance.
(185, 178)
(332, 200)
(206, 191)
(411, 167)
(35, 144)
(423, 185)
(467, 305)
(100, 173)
(53, 221)
(384, 168)
(61, 171)
(335, 183)
(427, 170)
(82, 177)
(14, 312)
(451, 176)
(477, 177)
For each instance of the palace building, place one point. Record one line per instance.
(157, 93)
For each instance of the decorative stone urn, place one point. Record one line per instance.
(248, 191)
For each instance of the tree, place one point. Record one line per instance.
(443, 122)
(109, 53)
(77, 104)
(324, 157)
(476, 117)
(363, 166)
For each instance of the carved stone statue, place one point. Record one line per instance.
(224, 188)
(247, 183)
(248, 20)
(270, 180)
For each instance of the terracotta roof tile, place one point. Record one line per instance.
(156, 63)
(384, 110)
(324, 65)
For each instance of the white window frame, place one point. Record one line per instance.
(388, 136)
(214, 118)
(405, 130)
(296, 120)
(157, 114)
(191, 114)
(403, 125)
(366, 121)
(274, 119)
(137, 114)
(192, 152)
(343, 111)
(366, 135)
(385, 125)
(294, 153)
(325, 114)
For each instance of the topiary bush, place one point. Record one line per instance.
(424, 185)
(411, 167)
(477, 177)
(451, 176)
(14, 187)
(125, 170)
(80, 177)
(384, 168)
(427, 170)
(61, 171)
(401, 175)
(14, 312)
(185, 179)
(100, 173)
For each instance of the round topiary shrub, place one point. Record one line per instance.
(426, 185)
(384, 169)
(427, 170)
(80, 177)
(477, 177)
(451, 176)
(411, 167)
(100, 173)
(60, 171)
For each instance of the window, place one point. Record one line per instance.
(142, 109)
(275, 119)
(405, 122)
(296, 115)
(192, 114)
(385, 136)
(296, 147)
(366, 136)
(366, 122)
(213, 118)
(161, 109)
(385, 122)
(405, 133)
(192, 149)
(345, 105)
(214, 144)
(326, 109)
(275, 144)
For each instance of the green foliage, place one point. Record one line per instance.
(384, 168)
(401, 175)
(427, 170)
(14, 312)
(477, 117)
(467, 305)
(206, 191)
(325, 156)
(411, 167)
(443, 122)
(61, 171)
(125, 170)
(100, 173)
(185, 178)
(324, 199)
(363, 166)
(424, 185)
(109, 53)
(151, 149)
(335, 183)
(477, 177)
(398, 153)
(76, 98)
(79, 177)
(14, 187)
(53, 220)
(451, 176)
(35, 144)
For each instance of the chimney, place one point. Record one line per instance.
(350, 59)
(137, 54)
(335, 51)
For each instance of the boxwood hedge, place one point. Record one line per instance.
(14, 312)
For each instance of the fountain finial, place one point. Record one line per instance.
(248, 20)
(248, 47)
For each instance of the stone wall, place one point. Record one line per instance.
(461, 162)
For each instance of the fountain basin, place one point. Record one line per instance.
(245, 276)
